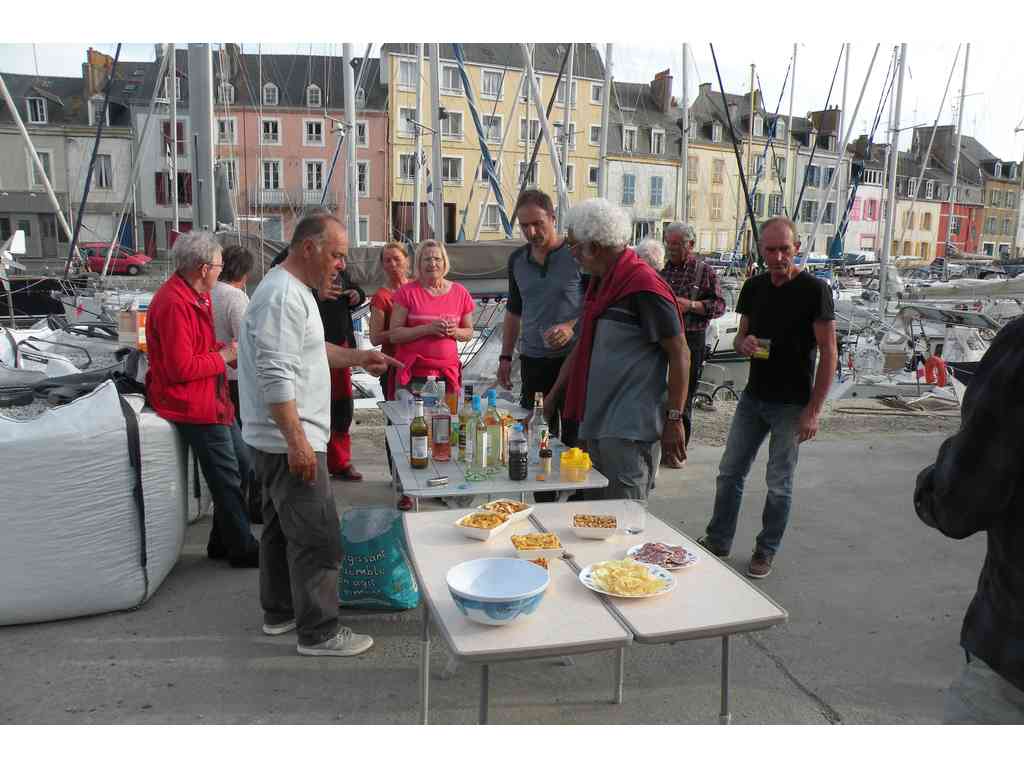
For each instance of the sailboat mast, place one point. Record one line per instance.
(417, 165)
(172, 97)
(883, 196)
(894, 154)
(563, 198)
(602, 178)
(956, 167)
(352, 172)
(788, 181)
(200, 67)
(750, 145)
(436, 174)
(840, 197)
(682, 199)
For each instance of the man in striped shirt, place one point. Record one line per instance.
(700, 299)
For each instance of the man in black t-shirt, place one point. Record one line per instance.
(786, 316)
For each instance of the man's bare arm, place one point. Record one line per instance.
(678, 370)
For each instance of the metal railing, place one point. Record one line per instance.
(286, 197)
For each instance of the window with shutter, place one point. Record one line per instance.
(161, 188)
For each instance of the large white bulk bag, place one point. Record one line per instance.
(71, 536)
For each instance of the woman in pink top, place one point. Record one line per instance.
(430, 316)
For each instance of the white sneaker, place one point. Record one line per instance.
(279, 629)
(344, 643)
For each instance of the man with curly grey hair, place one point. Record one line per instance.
(630, 342)
(187, 385)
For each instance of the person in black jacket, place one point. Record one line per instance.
(976, 485)
(336, 302)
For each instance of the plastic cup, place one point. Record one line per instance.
(764, 348)
(636, 517)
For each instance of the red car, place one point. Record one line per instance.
(123, 262)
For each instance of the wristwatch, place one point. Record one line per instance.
(674, 415)
(505, 357)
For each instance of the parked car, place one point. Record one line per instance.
(123, 262)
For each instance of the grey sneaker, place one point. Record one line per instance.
(282, 628)
(760, 565)
(344, 643)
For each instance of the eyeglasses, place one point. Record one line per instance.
(215, 265)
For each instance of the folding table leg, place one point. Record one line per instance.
(724, 717)
(620, 671)
(425, 665)
(485, 674)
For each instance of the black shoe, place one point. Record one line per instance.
(716, 551)
(216, 552)
(250, 559)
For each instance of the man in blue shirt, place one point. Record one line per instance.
(545, 301)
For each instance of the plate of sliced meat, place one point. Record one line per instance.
(668, 556)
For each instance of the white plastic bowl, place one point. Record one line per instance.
(497, 590)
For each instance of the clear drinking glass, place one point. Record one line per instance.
(551, 346)
(636, 516)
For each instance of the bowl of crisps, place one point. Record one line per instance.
(483, 525)
(530, 546)
(595, 526)
(497, 590)
(627, 578)
(516, 510)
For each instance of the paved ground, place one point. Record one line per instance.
(875, 602)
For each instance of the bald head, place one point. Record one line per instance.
(317, 250)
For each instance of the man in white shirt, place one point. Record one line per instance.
(284, 388)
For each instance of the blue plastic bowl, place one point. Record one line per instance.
(497, 590)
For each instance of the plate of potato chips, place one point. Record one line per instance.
(515, 510)
(627, 578)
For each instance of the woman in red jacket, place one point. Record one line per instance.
(187, 385)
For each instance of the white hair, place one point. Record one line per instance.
(194, 249)
(600, 222)
(653, 252)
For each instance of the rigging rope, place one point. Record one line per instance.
(536, 147)
(858, 169)
(485, 152)
(814, 145)
(100, 120)
(764, 152)
(739, 160)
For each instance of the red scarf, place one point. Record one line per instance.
(628, 275)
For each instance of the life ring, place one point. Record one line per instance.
(935, 370)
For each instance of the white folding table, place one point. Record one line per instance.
(568, 620)
(415, 482)
(710, 599)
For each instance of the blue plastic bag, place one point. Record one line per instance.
(375, 572)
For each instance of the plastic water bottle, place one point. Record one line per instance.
(430, 393)
(518, 454)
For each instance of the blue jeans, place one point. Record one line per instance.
(225, 461)
(754, 420)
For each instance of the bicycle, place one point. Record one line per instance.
(708, 392)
